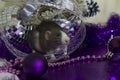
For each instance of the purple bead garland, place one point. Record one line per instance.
(8, 68)
(77, 59)
(12, 64)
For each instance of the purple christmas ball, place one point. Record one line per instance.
(34, 65)
(114, 45)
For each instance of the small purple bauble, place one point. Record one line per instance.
(114, 45)
(34, 65)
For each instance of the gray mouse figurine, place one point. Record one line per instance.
(48, 37)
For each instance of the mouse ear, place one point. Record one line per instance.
(47, 35)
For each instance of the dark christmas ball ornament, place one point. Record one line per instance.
(34, 65)
(114, 45)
